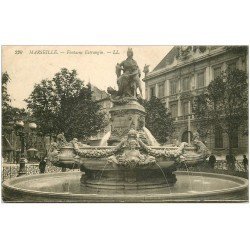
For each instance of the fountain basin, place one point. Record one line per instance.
(129, 165)
(104, 176)
(65, 187)
(98, 173)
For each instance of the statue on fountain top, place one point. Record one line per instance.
(129, 81)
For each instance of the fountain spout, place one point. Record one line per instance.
(104, 140)
(150, 138)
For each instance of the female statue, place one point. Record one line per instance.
(129, 81)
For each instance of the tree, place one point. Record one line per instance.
(224, 104)
(158, 119)
(80, 116)
(65, 105)
(5, 96)
(43, 103)
(10, 114)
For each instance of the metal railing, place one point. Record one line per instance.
(11, 170)
(238, 166)
(220, 167)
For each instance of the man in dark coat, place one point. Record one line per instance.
(42, 165)
(245, 162)
(212, 161)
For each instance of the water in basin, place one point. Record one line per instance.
(70, 183)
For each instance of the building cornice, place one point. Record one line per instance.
(183, 64)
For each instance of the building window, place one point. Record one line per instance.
(235, 140)
(231, 65)
(161, 90)
(186, 83)
(192, 106)
(152, 92)
(174, 109)
(218, 138)
(201, 79)
(217, 71)
(185, 109)
(173, 87)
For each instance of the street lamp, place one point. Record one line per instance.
(19, 128)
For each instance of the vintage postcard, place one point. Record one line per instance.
(125, 123)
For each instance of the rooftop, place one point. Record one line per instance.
(168, 59)
(98, 94)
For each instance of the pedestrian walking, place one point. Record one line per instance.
(42, 165)
(245, 162)
(212, 161)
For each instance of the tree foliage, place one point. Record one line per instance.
(158, 119)
(10, 114)
(64, 104)
(43, 104)
(238, 49)
(5, 96)
(224, 104)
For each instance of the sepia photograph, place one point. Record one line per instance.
(125, 124)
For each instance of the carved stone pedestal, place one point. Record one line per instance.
(123, 118)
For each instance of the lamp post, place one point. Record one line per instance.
(189, 122)
(19, 127)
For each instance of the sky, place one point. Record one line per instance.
(96, 64)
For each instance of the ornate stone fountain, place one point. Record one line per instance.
(131, 168)
(130, 161)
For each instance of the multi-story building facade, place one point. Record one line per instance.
(183, 73)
